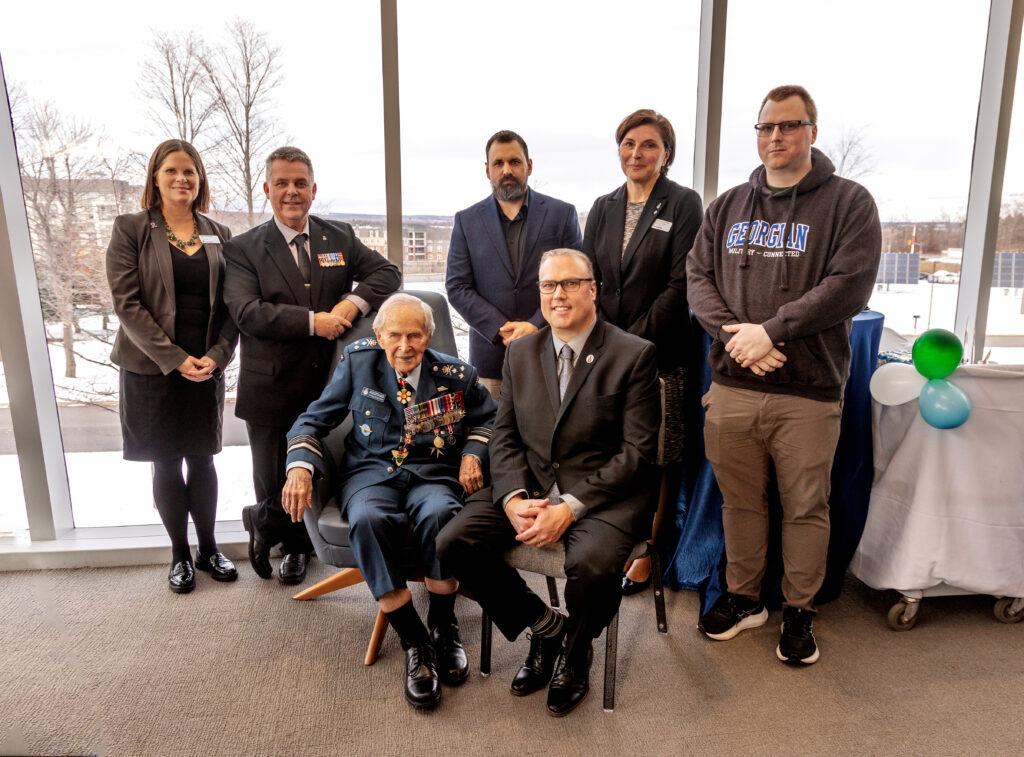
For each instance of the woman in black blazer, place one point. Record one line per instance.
(166, 275)
(638, 238)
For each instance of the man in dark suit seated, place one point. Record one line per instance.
(495, 252)
(572, 458)
(289, 287)
(421, 425)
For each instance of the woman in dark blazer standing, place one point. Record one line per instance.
(638, 238)
(166, 275)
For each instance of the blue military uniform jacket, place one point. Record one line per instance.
(450, 415)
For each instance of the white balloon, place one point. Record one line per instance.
(896, 383)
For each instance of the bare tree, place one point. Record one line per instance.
(58, 166)
(175, 82)
(852, 157)
(242, 74)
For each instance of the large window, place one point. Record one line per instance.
(88, 116)
(562, 75)
(1004, 340)
(896, 85)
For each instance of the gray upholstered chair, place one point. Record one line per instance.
(327, 529)
(549, 561)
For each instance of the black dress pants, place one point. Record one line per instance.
(269, 452)
(471, 548)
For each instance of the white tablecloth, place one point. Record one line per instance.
(947, 505)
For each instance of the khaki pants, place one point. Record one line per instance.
(744, 430)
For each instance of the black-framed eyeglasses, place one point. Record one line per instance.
(786, 127)
(568, 285)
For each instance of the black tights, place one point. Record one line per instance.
(177, 497)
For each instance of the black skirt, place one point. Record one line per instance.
(166, 417)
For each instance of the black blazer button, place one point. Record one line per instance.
(618, 292)
(315, 364)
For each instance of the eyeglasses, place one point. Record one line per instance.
(786, 127)
(568, 285)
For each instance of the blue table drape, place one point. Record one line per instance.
(698, 561)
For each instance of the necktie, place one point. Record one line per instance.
(303, 257)
(564, 369)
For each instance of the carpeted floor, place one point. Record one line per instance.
(108, 662)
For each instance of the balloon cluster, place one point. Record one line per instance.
(936, 353)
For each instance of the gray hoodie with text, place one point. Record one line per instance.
(801, 261)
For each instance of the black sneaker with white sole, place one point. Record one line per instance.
(796, 645)
(731, 614)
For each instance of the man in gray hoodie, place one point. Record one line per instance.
(779, 268)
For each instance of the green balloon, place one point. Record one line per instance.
(937, 353)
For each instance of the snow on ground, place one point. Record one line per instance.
(109, 491)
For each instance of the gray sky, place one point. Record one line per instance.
(562, 74)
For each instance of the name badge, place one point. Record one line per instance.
(330, 259)
(662, 225)
(373, 394)
(209, 239)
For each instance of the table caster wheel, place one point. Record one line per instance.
(899, 619)
(1005, 611)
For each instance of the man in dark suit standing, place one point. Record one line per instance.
(495, 253)
(289, 287)
(572, 458)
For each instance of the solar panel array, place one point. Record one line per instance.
(1008, 271)
(899, 268)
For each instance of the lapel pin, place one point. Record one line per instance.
(590, 359)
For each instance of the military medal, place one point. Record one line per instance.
(404, 393)
(330, 259)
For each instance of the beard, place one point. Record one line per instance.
(509, 189)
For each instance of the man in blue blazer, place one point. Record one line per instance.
(418, 445)
(495, 253)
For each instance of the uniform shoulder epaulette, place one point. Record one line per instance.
(450, 367)
(366, 343)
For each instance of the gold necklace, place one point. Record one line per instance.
(182, 244)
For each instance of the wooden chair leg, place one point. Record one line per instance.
(659, 591)
(611, 646)
(485, 644)
(380, 627)
(553, 591)
(341, 579)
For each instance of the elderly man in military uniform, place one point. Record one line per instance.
(418, 446)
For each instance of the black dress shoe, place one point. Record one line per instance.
(217, 565)
(259, 550)
(570, 684)
(536, 671)
(630, 587)
(422, 687)
(293, 568)
(453, 666)
(181, 579)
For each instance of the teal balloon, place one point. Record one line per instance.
(937, 353)
(943, 404)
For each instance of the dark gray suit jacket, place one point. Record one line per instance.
(141, 280)
(599, 443)
(283, 367)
